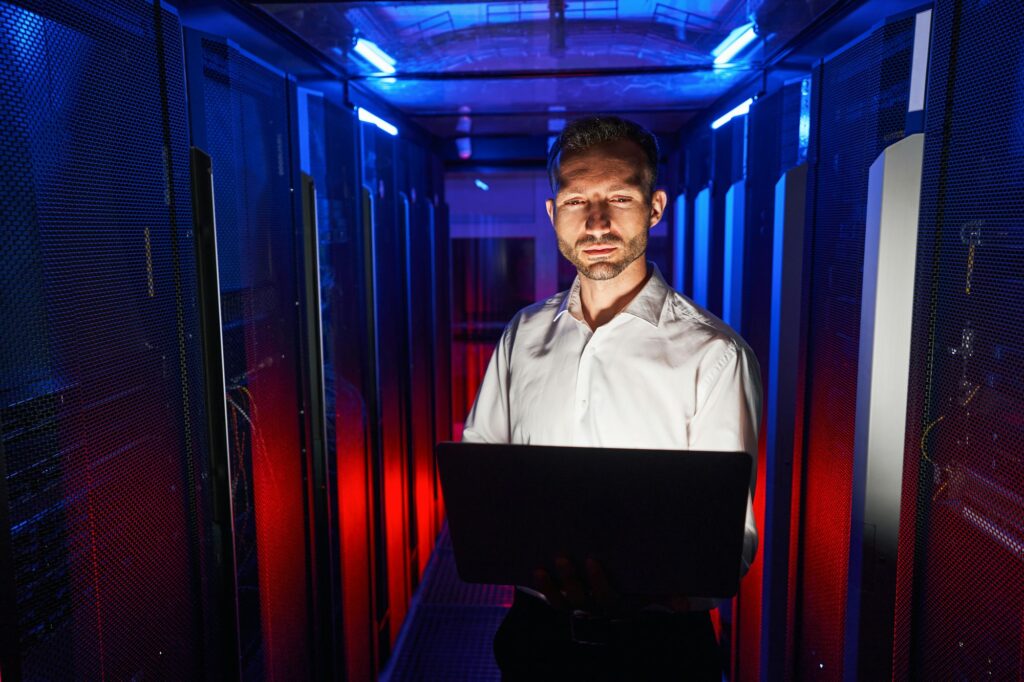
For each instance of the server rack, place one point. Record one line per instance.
(774, 146)
(420, 246)
(240, 113)
(391, 347)
(861, 96)
(442, 319)
(960, 603)
(698, 191)
(728, 169)
(110, 531)
(333, 163)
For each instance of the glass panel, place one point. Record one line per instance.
(240, 114)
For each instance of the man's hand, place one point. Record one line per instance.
(592, 593)
(573, 591)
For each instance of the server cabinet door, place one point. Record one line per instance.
(420, 295)
(775, 145)
(348, 372)
(960, 577)
(443, 391)
(391, 323)
(862, 95)
(104, 452)
(240, 116)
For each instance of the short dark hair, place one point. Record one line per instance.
(584, 133)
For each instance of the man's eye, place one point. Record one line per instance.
(573, 202)
(622, 200)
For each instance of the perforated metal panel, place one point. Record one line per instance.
(862, 94)
(445, 587)
(428, 653)
(449, 634)
(100, 371)
(240, 116)
(960, 602)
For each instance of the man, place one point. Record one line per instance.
(618, 360)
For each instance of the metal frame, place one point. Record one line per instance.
(519, 74)
(215, 394)
(882, 383)
(381, 594)
(732, 273)
(324, 639)
(788, 274)
(554, 114)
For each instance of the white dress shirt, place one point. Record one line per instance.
(662, 374)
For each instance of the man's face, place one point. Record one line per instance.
(601, 213)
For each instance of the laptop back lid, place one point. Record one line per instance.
(659, 522)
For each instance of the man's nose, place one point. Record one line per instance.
(599, 219)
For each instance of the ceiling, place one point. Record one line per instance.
(521, 68)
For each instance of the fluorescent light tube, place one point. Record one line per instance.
(369, 51)
(740, 110)
(734, 43)
(370, 117)
(481, 184)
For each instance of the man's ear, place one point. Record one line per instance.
(550, 205)
(658, 202)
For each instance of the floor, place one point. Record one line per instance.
(448, 632)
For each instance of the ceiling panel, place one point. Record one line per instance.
(583, 55)
(664, 122)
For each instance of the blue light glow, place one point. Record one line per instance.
(369, 51)
(804, 131)
(734, 43)
(740, 110)
(370, 117)
(679, 244)
(481, 184)
(732, 279)
(701, 246)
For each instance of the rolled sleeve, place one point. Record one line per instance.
(727, 419)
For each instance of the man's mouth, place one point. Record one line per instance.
(600, 250)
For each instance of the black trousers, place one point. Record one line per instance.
(535, 642)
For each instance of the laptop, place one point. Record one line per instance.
(659, 522)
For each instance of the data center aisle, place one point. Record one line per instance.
(451, 624)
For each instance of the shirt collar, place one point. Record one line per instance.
(646, 305)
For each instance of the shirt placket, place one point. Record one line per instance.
(584, 377)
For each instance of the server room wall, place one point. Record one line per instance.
(115, 545)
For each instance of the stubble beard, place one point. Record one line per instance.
(605, 269)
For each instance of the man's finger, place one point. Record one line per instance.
(601, 590)
(544, 584)
(575, 595)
